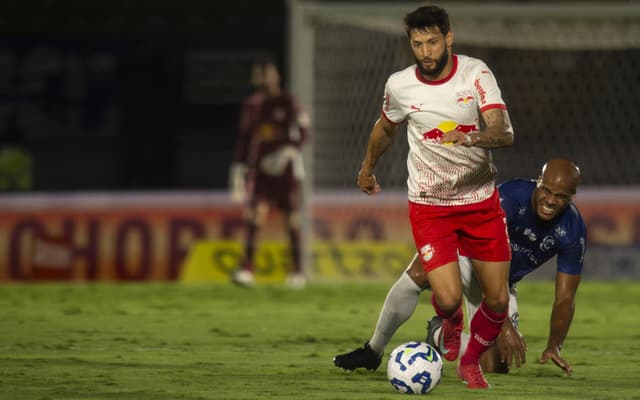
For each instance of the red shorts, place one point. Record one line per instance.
(476, 230)
(282, 192)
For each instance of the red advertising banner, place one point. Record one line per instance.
(148, 236)
(108, 236)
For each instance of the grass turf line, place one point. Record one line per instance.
(173, 341)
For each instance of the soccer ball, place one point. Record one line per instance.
(414, 368)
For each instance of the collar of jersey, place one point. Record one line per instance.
(439, 81)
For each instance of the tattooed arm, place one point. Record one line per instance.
(496, 132)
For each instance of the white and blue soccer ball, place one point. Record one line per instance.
(414, 368)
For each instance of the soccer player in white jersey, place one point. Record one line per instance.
(455, 114)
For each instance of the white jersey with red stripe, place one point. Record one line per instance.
(439, 174)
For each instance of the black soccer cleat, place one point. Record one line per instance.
(363, 357)
(434, 324)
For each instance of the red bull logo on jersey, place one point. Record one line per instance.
(445, 126)
(465, 99)
(427, 251)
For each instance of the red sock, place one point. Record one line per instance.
(454, 319)
(484, 329)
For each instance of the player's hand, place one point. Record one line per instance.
(367, 183)
(511, 345)
(458, 138)
(553, 354)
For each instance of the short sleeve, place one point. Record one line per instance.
(571, 257)
(487, 90)
(391, 107)
(507, 203)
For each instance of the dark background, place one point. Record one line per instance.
(144, 95)
(130, 95)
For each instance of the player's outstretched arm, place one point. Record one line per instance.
(380, 139)
(561, 317)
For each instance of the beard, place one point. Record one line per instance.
(433, 73)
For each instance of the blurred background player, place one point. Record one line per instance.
(543, 222)
(267, 167)
(455, 114)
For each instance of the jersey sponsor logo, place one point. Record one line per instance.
(560, 231)
(387, 99)
(481, 92)
(417, 108)
(530, 234)
(446, 126)
(547, 243)
(527, 252)
(266, 131)
(427, 251)
(465, 99)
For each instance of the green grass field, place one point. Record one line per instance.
(171, 341)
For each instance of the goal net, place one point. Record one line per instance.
(568, 72)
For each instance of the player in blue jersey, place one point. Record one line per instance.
(542, 222)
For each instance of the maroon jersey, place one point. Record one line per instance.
(270, 135)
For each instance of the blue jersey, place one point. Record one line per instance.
(534, 241)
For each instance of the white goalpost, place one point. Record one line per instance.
(568, 72)
(577, 60)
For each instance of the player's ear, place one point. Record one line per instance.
(539, 181)
(449, 38)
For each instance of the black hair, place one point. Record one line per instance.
(425, 17)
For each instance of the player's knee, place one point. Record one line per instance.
(490, 362)
(502, 368)
(498, 302)
(497, 305)
(449, 302)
